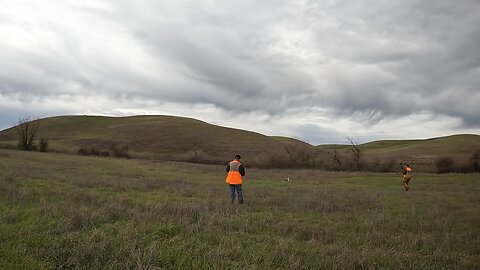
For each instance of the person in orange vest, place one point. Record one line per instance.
(407, 176)
(235, 171)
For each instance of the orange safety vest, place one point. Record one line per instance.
(234, 177)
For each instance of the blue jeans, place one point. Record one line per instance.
(238, 188)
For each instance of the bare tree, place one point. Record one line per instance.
(355, 151)
(26, 130)
(336, 159)
(299, 154)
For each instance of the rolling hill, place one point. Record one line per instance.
(186, 139)
(165, 137)
(460, 148)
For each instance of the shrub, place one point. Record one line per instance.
(195, 156)
(444, 165)
(273, 159)
(350, 165)
(199, 156)
(43, 145)
(94, 152)
(120, 151)
(336, 163)
(299, 154)
(89, 152)
(384, 165)
(475, 162)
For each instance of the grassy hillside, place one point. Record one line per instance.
(155, 136)
(451, 145)
(66, 212)
(421, 152)
(290, 141)
(455, 144)
(186, 139)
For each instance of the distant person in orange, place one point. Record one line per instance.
(407, 175)
(235, 171)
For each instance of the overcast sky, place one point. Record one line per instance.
(315, 70)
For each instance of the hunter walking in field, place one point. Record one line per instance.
(407, 175)
(235, 172)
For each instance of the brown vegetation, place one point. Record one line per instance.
(115, 151)
(355, 154)
(43, 145)
(26, 131)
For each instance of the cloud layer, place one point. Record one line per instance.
(317, 70)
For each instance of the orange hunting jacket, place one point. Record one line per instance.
(235, 172)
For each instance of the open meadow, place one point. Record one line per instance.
(66, 211)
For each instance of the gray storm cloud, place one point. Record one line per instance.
(365, 60)
(348, 57)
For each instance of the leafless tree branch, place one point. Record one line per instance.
(355, 151)
(26, 131)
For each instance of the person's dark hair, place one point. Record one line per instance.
(407, 165)
(238, 157)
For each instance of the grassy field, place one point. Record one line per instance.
(63, 211)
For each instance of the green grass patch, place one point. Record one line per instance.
(63, 211)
